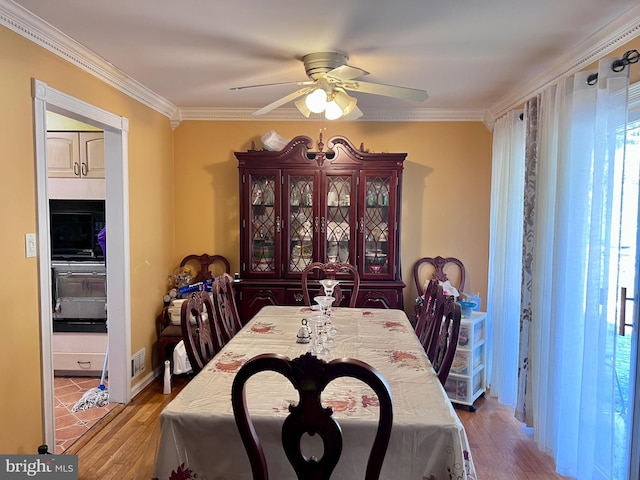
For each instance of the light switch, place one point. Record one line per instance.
(30, 244)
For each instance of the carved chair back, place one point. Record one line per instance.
(310, 375)
(205, 261)
(439, 265)
(445, 337)
(427, 312)
(200, 330)
(225, 303)
(345, 272)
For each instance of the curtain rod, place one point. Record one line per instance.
(632, 56)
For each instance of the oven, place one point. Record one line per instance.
(79, 296)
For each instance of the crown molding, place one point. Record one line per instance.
(371, 115)
(614, 35)
(24, 23)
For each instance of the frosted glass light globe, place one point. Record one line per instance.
(316, 101)
(332, 111)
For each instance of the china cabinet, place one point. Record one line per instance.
(299, 206)
(466, 380)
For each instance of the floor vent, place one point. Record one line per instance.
(137, 363)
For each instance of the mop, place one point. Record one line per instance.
(97, 396)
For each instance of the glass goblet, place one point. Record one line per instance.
(329, 284)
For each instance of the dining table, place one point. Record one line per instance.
(199, 437)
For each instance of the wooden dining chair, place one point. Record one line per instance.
(440, 307)
(427, 312)
(334, 270)
(225, 304)
(310, 375)
(170, 333)
(209, 265)
(439, 265)
(201, 330)
(445, 338)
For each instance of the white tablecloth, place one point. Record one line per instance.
(428, 442)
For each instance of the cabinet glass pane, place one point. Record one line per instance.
(263, 223)
(301, 231)
(376, 224)
(338, 226)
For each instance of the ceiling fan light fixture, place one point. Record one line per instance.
(332, 111)
(316, 101)
(302, 106)
(345, 102)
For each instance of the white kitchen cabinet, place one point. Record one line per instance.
(75, 165)
(466, 381)
(75, 154)
(79, 353)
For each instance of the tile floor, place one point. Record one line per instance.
(71, 426)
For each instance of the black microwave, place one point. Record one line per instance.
(74, 226)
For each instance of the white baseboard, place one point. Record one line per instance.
(146, 381)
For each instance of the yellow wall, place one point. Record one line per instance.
(445, 208)
(151, 214)
(446, 191)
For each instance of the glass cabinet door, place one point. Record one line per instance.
(265, 225)
(303, 221)
(377, 225)
(338, 224)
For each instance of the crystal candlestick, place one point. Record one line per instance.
(329, 284)
(325, 302)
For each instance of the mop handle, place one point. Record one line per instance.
(104, 367)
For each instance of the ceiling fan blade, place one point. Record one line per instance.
(282, 101)
(307, 82)
(346, 72)
(386, 90)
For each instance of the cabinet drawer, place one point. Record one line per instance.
(380, 298)
(460, 365)
(465, 389)
(457, 388)
(89, 363)
(294, 296)
(73, 342)
(252, 299)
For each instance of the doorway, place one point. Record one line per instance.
(118, 303)
(627, 426)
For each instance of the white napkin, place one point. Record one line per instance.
(449, 289)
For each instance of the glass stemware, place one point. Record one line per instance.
(329, 284)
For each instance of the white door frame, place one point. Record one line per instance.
(117, 218)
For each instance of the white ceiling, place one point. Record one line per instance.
(467, 55)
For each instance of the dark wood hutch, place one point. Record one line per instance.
(299, 206)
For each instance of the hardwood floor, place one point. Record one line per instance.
(122, 446)
(502, 447)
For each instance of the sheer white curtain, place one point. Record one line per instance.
(569, 399)
(505, 246)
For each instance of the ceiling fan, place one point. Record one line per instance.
(329, 80)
